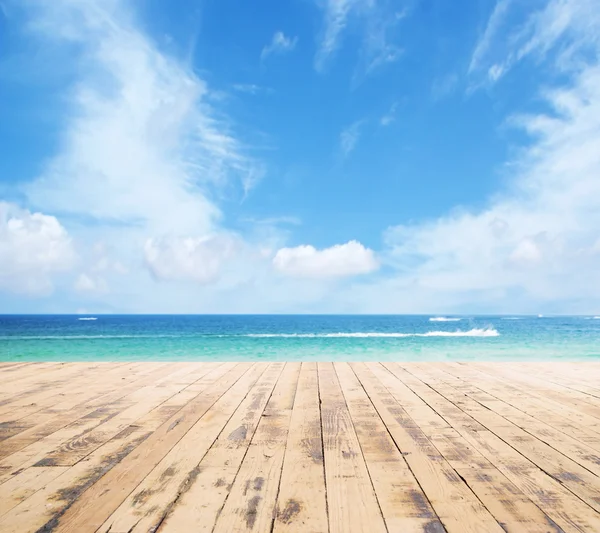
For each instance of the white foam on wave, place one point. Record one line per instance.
(511, 318)
(443, 319)
(87, 318)
(475, 332)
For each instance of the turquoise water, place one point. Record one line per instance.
(327, 337)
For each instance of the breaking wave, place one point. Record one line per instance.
(476, 332)
(87, 318)
(443, 319)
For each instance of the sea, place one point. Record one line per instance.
(297, 337)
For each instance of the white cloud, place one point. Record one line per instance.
(33, 248)
(143, 143)
(349, 137)
(376, 19)
(251, 88)
(565, 27)
(86, 283)
(390, 116)
(278, 45)
(144, 150)
(338, 261)
(444, 86)
(494, 25)
(187, 258)
(539, 239)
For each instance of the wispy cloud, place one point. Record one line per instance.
(279, 44)
(561, 26)
(251, 88)
(376, 21)
(537, 245)
(390, 116)
(444, 86)
(493, 26)
(349, 137)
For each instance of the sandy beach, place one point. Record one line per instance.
(338, 447)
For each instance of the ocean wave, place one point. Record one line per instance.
(87, 318)
(475, 332)
(83, 337)
(443, 319)
(511, 318)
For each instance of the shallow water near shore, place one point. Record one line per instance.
(297, 337)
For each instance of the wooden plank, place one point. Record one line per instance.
(199, 505)
(28, 449)
(86, 494)
(546, 389)
(454, 503)
(22, 486)
(532, 416)
(47, 383)
(146, 399)
(65, 413)
(564, 508)
(577, 479)
(146, 507)
(403, 504)
(569, 421)
(351, 500)
(53, 394)
(252, 500)
(302, 504)
(505, 502)
(577, 377)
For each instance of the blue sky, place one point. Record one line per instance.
(303, 156)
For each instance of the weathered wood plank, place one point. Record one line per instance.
(507, 504)
(454, 503)
(89, 492)
(351, 500)
(403, 504)
(145, 508)
(570, 474)
(564, 508)
(199, 506)
(251, 502)
(302, 502)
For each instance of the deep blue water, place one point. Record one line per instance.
(314, 337)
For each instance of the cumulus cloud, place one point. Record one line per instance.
(187, 258)
(338, 261)
(278, 45)
(144, 151)
(33, 248)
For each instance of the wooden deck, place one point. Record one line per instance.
(300, 447)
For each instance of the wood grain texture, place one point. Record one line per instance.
(284, 447)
